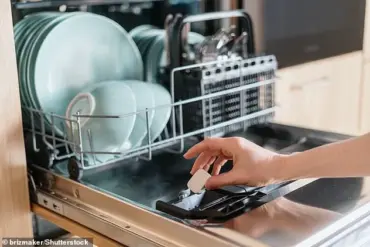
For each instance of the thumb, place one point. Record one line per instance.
(224, 179)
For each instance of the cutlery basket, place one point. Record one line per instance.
(248, 79)
(236, 88)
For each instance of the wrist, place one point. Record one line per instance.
(284, 168)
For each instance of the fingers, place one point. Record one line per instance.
(215, 182)
(210, 144)
(203, 160)
(206, 168)
(220, 161)
(209, 163)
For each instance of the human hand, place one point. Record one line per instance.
(252, 164)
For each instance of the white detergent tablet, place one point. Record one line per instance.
(198, 180)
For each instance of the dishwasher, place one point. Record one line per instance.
(138, 197)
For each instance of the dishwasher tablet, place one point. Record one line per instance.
(198, 180)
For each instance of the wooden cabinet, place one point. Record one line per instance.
(365, 100)
(366, 43)
(15, 214)
(322, 95)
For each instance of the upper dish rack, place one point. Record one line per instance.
(208, 99)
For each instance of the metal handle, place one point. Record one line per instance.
(215, 16)
(178, 25)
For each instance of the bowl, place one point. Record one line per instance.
(109, 107)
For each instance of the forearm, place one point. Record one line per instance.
(350, 158)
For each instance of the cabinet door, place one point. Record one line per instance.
(15, 215)
(323, 95)
(365, 100)
(366, 44)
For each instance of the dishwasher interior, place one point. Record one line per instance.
(166, 175)
(214, 86)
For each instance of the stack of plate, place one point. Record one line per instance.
(58, 55)
(119, 98)
(151, 43)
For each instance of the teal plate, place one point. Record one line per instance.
(150, 37)
(135, 31)
(162, 99)
(144, 39)
(34, 46)
(112, 98)
(24, 45)
(81, 50)
(156, 57)
(145, 99)
(25, 54)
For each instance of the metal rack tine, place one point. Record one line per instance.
(182, 142)
(65, 137)
(149, 136)
(53, 130)
(44, 135)
(34, 141)
(79, 147)
(90, 138)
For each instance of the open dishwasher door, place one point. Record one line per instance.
(126, 202)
